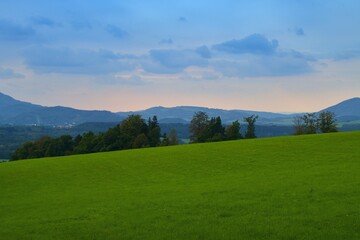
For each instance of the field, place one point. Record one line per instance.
(303, 187)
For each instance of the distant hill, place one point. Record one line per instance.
(22, 113)
(348, 110)
(345, 111)
(184, 114)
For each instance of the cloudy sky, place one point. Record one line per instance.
(272, 55)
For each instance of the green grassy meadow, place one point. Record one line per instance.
(299, 187)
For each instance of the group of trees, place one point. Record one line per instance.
(205, 129)
(311, 123)
(133, 132)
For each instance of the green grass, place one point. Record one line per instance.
(303, 187)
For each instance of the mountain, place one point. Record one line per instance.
(22, 113)
(345, 111)
(348, 110)
(184, 114)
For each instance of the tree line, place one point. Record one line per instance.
(311, 123)
(205, 129)
(132, 132)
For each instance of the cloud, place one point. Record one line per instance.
(298, 31)
(182, 19)
(264, 66)
(133, 79)
(81, 25)
(253, 44)
(10, 31)
(116, 31)
(346, 55)
(172, 61)
(204, 51)
(167, 41)
(44, 21)
(257, 56)
(7, 73)
(81, 61)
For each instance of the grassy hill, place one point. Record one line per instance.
(303, 187)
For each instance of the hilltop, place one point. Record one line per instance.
(348, 110)
(23, 113)
(303, 187)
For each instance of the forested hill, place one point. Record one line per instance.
(22, 113)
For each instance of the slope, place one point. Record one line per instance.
(304, 187)
(348, 110)
(22, 113)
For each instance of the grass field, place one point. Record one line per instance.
(303, 187)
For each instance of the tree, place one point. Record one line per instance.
(131, 128)
(215, 130)
(299, 125)
(154, 132)
(60, 146)
(112, 139)
(198, 127)
(173, 138)
(165, 140)
(232, 132)
(327, 122)
(86, 144)
(310, 123)
(140, 141)
(24, 151)
(250, 131)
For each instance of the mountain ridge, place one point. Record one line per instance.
(23, 113)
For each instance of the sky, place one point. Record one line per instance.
(265, 55)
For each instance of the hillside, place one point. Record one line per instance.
(348, 110)
(303, 187)
(184, 114)
(22, 113)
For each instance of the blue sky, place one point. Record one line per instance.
(273, 55)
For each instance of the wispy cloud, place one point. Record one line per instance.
(7, 73)
(168, 41)
(80, 61)
(299, 31)
(182, 19)
(44, 21)
(116, 31)
(171, 61)
(253, 44)
(10, 31)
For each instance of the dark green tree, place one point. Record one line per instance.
(215, 130)
(131, 128)
(327, 122)
(140, 141)
(60, 146)
(310, 123)
(198, 127)
(250, 130)
(112, 139)
(24, 151)
(232, 132)
(86, 144)
(154, 132)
